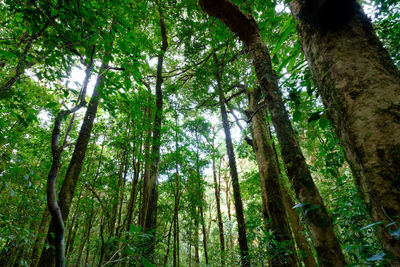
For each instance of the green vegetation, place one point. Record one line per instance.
(199, 133)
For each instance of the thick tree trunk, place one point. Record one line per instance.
(73, 172)
(269, 176)
(360, 88)
(244, 250)
(150, 187)
(318, 221)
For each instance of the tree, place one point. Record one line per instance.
(362, 105)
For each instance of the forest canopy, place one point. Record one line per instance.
(199, 133)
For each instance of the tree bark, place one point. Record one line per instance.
(317, 219)
(244, 250)
(269, 176)
(360, 88)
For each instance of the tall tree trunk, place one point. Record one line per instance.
(228, 198)
(116, 197)
(169, 241)
(200, 189)
(103, 242)
(203, 227)
(295, 223)
(72, 175)
(150, 190)
(136, 171)
(176, 197)
(217, 190)
(302, 244)
(244, 249)
(196, 239)
(360, 88)
(269, 176)
(317, 219)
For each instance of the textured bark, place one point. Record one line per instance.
(73, 172)
(244, 250)
(360, 88)
(150, 186)
(269, 176)
(317, 219)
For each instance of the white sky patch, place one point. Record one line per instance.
(281, 8)
(76, 78)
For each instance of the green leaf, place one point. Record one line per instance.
(314, 116)
(51, 105)
(323, 122)
(296, 116)
(147, 263)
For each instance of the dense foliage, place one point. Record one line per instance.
(49, 48)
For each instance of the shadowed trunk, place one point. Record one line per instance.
(269, 176)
